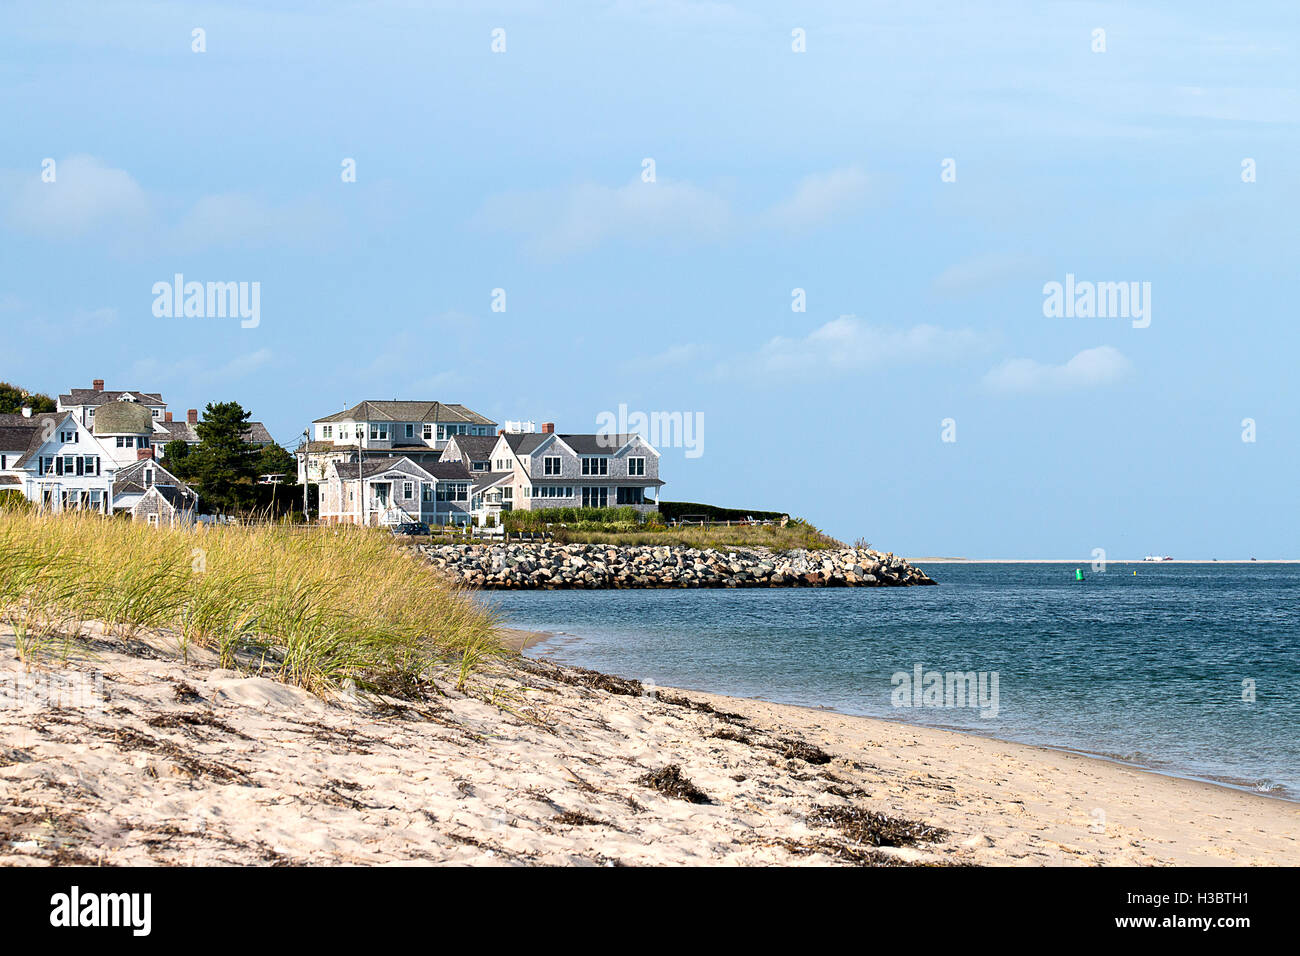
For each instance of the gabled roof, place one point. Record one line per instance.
(486, 479)
(257, 434)
(437, 470)
(88, 396)
(474, 447)
(396, 411)
(15, 437)
(605, 444)
(178, 431)
(526, 443)
(130, 479)
(37, 433)
(348, 470)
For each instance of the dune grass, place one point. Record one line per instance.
(323, 609)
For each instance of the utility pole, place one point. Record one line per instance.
(306, 472)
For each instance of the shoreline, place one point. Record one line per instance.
(521, 640)
(168, 761)
(1080, 562)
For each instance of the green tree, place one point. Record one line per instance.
(223, 465)
(275, 460)
(176, 459)
(13, 398)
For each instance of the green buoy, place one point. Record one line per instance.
(1078, 574)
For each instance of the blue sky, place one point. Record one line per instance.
(774, 170)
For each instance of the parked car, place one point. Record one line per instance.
(411, 528)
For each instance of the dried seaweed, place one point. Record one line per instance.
(671, 782)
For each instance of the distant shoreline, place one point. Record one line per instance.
(1082, 561)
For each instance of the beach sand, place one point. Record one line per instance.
(184, 763)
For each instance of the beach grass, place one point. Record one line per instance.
(324, 609)
(795, 535)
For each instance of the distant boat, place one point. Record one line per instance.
(1157, 557)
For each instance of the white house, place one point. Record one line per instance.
(61, 464)
(390, 491)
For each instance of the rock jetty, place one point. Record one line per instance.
(543, 566)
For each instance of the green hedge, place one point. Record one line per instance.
(587, 519)
(675, 510)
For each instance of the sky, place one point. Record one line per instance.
(824, 233)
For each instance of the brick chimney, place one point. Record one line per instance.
(167, 416)
(192, 416)
(142, 453)
(501, 431)
(548, 427)
(97, 384)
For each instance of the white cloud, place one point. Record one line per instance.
(193, 371)
(671, 357)
(561, 222)
(1103, 365)
(848, 344)
(88, 197)
(979, 272)
(234, 218)
(86, 194)
(819, 198)
(565, 221)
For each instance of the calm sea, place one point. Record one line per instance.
(1186, 669)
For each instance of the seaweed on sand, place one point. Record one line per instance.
(671, 782)
(874, 828)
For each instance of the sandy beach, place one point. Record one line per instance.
(163, 761)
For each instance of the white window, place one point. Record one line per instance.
(636, 466)
(551, 466)
(378, 432)
(595, 497)
(408, 488)
(508, 493)
(426, 491)
(428, 432)
(595, 466)
(327, 431)
(410, 431)
(153, 412)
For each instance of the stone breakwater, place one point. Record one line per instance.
(522, 566)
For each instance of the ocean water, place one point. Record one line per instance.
(1152, 668)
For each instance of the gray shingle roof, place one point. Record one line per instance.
(36, 436)
(475, 447)
(526, 444)
(130, 480)
(88, 396)
(596, 444)
(396, 411)
(581, 444)
(486, 479)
